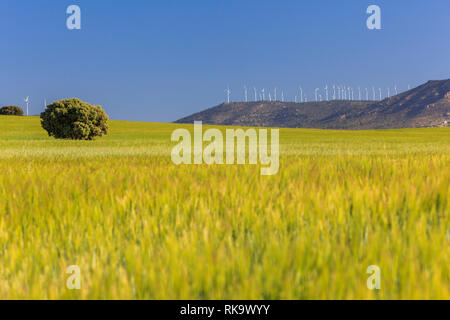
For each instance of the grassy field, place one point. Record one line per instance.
(140, 227)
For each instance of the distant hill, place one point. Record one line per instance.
(425, 106)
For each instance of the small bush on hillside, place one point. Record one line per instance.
(74, 119)
(11, 111)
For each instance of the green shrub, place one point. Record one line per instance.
(74, 119)
(11, 111)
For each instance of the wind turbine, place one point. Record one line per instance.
(388, 92)
(409, 87)
(245, 93)
(373, 93)
(339, 92)
(27, 100)
(359, 93)
(301, 94)
(320, 97)
(228, 91)
(254, 89)
(326, 91)
(396, 90)
(295, 99)
(316, 90)
(351, 93)
(270, 97)
(263, 95)
(367, 94)
(334, 92)
(379, 90)
(275, 94)
(282, 96)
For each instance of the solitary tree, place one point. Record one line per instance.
(74, 119)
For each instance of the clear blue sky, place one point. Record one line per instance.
(159, 60)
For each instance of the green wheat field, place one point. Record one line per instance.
(140, 227)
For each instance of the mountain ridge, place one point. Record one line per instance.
(428, 105)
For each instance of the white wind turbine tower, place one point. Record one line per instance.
(326, 92)
(352, 96)
(344, 92)
(275, 94)
(27, 100)
(245, 93)
(282, 96)
(367, 94)
(295, 99)
(339, 92)
(270, 97)
(301, 94)
(316, 90)
(359, 93)
(396, 90)
(228, 91)
(379, 91)
(263, 95)
(349, 93)
(320, 97)
(409, 87)
(334, 92)
(388, 92)
(373, 93)
(256, 98)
